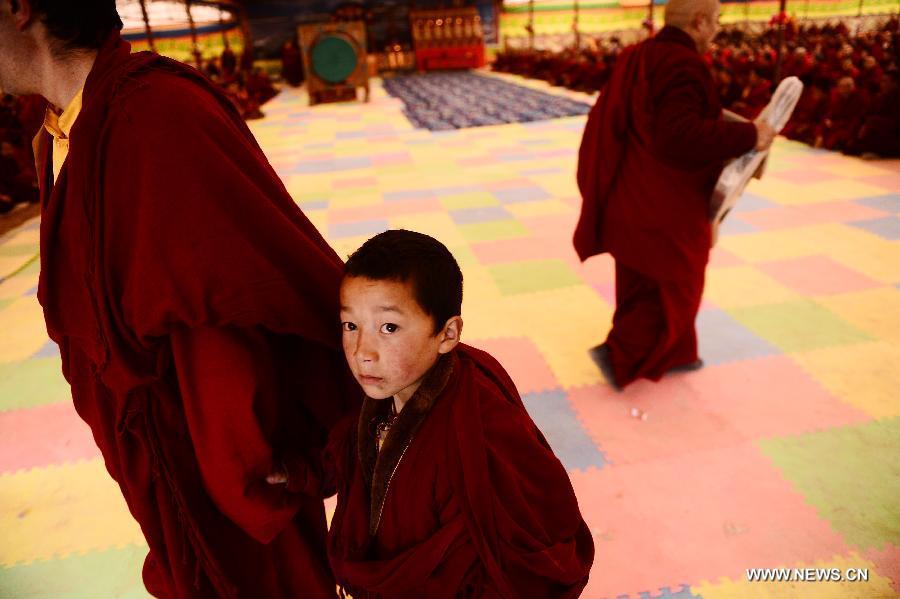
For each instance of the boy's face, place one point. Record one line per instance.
(389, 340)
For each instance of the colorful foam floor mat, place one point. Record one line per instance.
(781, 453)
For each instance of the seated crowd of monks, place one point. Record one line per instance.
(248, 87)
(851, 97)
(20, 118)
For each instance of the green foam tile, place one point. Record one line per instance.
(111, 574)
(798, 326)
(534, 275)
(19, 249)
(493, 230)
(33, 382)
(851, 475)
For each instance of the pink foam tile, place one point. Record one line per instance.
(474, 161)
(385, 210)
(890, 181)
(696, 517)
(48, 434)
(516, 250)
(555, 228)
(391, 159)
(785, 217)
(598, 270)
(523, 361)
(650, 421)
(354, 182)
(887, 563)
(720, 257)
(803, 175)
(817, 275)
(768, 397)
(607, 291)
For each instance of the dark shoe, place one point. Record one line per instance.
(600, 356)
(689, 367)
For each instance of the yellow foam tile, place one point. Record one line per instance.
(831, 190)
(23, 236)
(864, 375)
(740, 286)
(852, 168)
(436, 224)
(17, 285)
(564, 323)
(541, 208)
(24, 331)
(875, 586)
(58, 510)
(354, 198)
(876, 258)
(319, 219)
(308, 183)
(347, 245)
(876, 311)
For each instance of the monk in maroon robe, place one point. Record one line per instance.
(192, 303)
(843, 116)
(446, 488)
(653, 148)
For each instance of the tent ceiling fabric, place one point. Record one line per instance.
(166, 14)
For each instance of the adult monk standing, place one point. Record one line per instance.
(194, 305)
(653, 148)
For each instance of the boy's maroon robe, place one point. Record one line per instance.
(653, 147)
(194, 307)
(465, 499)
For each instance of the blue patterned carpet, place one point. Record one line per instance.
(456, 100)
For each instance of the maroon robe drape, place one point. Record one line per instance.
(653, 147)
(195, 307)
(465, 499)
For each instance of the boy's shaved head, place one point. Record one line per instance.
(415, 258)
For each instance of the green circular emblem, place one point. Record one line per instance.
(333, 59)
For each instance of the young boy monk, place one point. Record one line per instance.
(446, 488)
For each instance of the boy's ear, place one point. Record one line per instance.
(450, 334)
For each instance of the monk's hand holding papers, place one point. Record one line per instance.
(737, 173)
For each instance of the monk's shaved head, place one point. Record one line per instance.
(681, 13)
(697, 18)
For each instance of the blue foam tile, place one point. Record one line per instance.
(408, 194)
(723, 339)
(482, 214)
(750, 203)
(48, 350)
(886, 227)
(356, 229)
(314, 205)
(889, 202)
(665, 593)
(733, 225)
(328, 166)
(455, 189)
(553, 414)
(532, 193)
